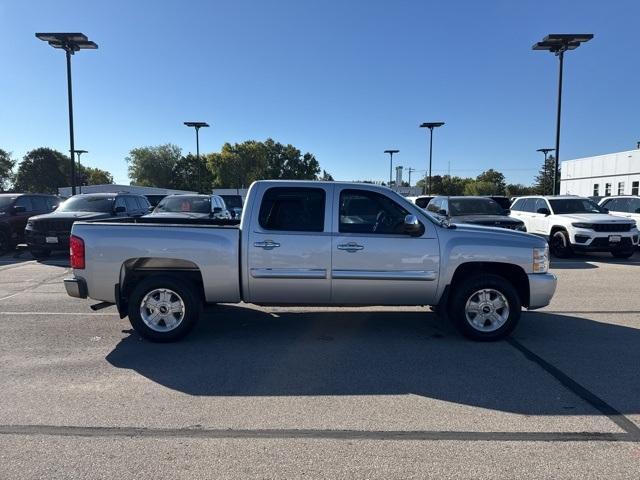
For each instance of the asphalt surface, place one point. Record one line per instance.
(321, 393)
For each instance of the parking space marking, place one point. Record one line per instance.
(588, 396)
(281, 434)
(91, 314)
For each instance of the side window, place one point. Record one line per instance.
(39, 204)
(434, 205)
(445, 205)
(25, 202)
(293, 209)
(634, 205)
(538, 204)
(620, 205)
(143, 203)
(517, 205)
(132, 206)
(119, 203)
(362, 211)
(52, 202)
(609, 204)
(527, 204)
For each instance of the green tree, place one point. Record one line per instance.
(517, 189)
(41, 170)
(493, 177)
(326, 176)
(191, 173)
(482, 188)
(6, 170)
(544, 179)
(153, 166)
(240, 164)
(94, 176)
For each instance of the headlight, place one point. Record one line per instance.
(541, 260)
(583, 225)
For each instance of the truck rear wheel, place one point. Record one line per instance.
(485, 307)
(164, 308)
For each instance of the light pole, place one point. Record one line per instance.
(545, 151)
(197, 126)
(410, 170)
(558, 43)
(430, 126)
(79, 152)
(70, 43)
(391, 152)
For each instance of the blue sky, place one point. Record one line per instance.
(344, 80)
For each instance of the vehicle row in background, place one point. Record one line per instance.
(192, 206)
(474, 210)
(50, 232)
(573, 223)
(15, 210)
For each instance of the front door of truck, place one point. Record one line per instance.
(289, 247)
(373, 261)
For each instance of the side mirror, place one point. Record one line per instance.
(606, 210)
(18, 209)
(151, 208)
(120, 209)
(216, 210)
(54, 207)
(544, 211)
(412, 226)
(442, 212)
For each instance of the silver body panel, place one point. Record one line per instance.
(311, 268)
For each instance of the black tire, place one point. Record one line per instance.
(40, 253)
(466, 289)
(186, 292)
(5, 243)
(622, 253)
(559, 244)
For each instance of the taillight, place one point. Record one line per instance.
(76, 251)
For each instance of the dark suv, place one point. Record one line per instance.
(46, 233)
(474, 210)
(15, 209)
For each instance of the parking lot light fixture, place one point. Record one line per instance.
(430, 126)
(70, 43)
(558, 43)
(197, 126)
(79, 152)
(391, 152)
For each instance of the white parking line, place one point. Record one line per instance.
(88, 314)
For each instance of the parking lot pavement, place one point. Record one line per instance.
(295, 392)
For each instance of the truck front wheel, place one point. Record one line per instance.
(163, 308)
(485, 307)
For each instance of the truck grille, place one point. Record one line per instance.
(612, 227)
(53, 225)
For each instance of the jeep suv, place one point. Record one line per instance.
(45, 233)
(572, 223)
(15, 209)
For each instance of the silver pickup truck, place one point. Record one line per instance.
(311, 243)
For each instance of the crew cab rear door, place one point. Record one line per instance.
(289, 245)
(373, 261)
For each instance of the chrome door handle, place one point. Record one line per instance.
(267, 245)
(350, 247)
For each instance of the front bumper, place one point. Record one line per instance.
(587, 240)
(542, 286)
(36, 239)
(76, 287)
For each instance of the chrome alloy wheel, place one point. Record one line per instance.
(162, 310)
(487, 310)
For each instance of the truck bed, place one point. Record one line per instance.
(115, 247)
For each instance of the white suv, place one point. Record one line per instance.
(623, 206)
(576, 224)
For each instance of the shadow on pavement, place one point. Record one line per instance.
(239, 351)
(58, 259)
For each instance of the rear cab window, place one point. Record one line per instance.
(293, 209)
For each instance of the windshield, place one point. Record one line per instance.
(81, 203)
(474, 206)
(232, 201)
(185, 204)
(5, 201)
(574, 205)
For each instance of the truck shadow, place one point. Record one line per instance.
(240, 351)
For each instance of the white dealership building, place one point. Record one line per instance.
(601, 176)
